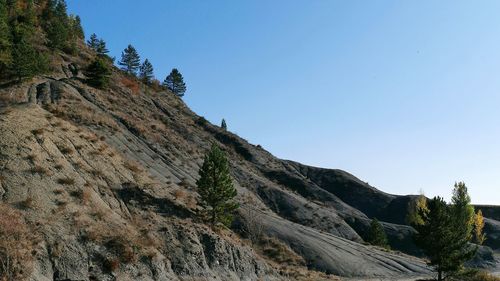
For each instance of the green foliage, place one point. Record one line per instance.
(130, 61)
(223, 125)
(5, 38)
(146, 72)
(93, 41)
(376, 235)
(415, 204)
(446, 232)
(175, 83)
(27, 61)
(479, 236)
(61, 29)
(216, 188)
(101, 49)
(98, 73)
(98, 45)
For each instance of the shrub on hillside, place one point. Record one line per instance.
(98, 73)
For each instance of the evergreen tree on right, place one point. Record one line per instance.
(376, 235)
(446, 232)
(146, 72)
(216, 188)
(175, 83)
(130, 61)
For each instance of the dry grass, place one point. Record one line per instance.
(28, 203)
(66, 181)
(280, 253)
(16, 245)
(132, 166)
(483, 276)
(111, 264)
(65, 149)
(131, 84)
(37, 169)
(38, 132)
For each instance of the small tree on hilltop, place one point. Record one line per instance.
(223, 125)
(93, 41)
(146, 72)
(216, 188)
(130, 61)
(175, 83)
(376, 235)
(98, 73)
(101, 49)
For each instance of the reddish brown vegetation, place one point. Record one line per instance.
(16, 245)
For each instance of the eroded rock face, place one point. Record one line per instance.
(110, 177)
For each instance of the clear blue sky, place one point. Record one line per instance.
(403, 94)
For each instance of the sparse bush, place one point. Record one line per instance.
(131, 84)
(111, 264)
(65, 149)
(37, 169)
(16, 245)
(132, 166)
(66, 181)
(280, 252)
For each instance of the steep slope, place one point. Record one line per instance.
(109, 177)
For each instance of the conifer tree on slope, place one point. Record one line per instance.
(216, 188)
(130, 61)
(175, 83)
(223, 124)
(26, 60)
(93, 42)
(98, 73)
(146, 72)
(376, 235)
(5, 38)
(446, 232)
(101, 48)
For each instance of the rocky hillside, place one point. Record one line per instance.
(106, 180)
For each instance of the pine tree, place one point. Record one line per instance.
(479, 236)
(5, 39)
(376, 235)
(216, 188)
(93, 42)
(98, 73)
(26, 60)
(76, 24)
(130, 61)
(446, 232)
(223, 124)
(57, 25)
(175, 83)
(146, 72)
(101, 48)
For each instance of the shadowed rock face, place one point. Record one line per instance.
(100, 165)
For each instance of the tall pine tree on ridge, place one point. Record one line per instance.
(130, 61)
